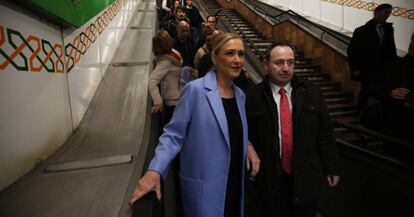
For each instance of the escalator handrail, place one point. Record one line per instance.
(298, 17)
(246, 38)
(387, 159)
(375, 134)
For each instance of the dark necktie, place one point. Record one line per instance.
(380, 30)
(286, 132)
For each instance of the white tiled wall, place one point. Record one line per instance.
(39, 110)
(347, 18)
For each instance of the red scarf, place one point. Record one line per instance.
(175, 55)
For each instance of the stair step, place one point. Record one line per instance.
(244, 28)
(339, 94)
(241, 26)
(342, 113)
(316, 78)
(336, 100)
(348, 119)
(326, 83)
(258, 42)
(236, 21)
(329, 88)
(255, 38)
(304, 70)
(339, 129)
(254, 35)
(342, 107)
(246, 31)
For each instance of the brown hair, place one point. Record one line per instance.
(180, 8)
(223, 38)
(162, 43)
(207, 29)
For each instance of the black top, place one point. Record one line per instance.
(186, 49)
(233, 193)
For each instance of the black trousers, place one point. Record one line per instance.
(286, 205)
(281, 204)
(166, 116)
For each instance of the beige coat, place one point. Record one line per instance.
(167, 75)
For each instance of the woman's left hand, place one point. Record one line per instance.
(156, 108)
(252, 161)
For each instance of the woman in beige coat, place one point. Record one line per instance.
(164, 81)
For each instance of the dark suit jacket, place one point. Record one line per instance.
(398, 73)
(366, 53)
(195, 18)
(390, 115)
(315, 154)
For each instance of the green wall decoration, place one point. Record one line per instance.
(69, 12)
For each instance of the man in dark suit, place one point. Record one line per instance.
(185, 44)
(372, 46)
(193, 14)
(290, 128)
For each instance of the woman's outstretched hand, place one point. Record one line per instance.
(151, 181)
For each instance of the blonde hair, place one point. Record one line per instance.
(162, 43)
(223, 38)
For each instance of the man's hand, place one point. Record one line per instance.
(333, 180)
(252, 161)
(399, 93)
(151, 181)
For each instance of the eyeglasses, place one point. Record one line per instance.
(280, 63)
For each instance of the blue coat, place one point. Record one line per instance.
(199, 130)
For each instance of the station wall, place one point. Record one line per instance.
(346, 15)
(48, 76)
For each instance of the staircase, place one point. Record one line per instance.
(340, 104)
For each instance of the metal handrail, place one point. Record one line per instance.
(246, 38)
(391, 160)
(376, 134)
(296, 15)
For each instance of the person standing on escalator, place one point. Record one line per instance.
(290, 128)
(209, 131)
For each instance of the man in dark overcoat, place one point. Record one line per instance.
(372, 46)
(287, 183)
(393, 114)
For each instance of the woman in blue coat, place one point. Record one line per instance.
(209, 130)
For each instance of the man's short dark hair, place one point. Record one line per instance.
(215, 17)
(180, 8)
(279, 44)
(382, 7)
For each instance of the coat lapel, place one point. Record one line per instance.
(216, 104)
